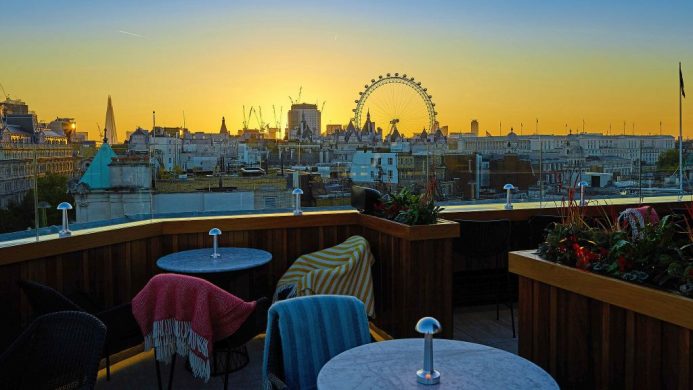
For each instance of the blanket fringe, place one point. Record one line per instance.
(170, 336)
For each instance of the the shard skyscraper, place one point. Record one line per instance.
(110, 133)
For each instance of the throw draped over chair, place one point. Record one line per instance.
(121, 329)
(483, 240)
(344, 269)
(191, 317)
(57, 351)
(304, 333)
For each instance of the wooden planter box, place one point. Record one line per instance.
(592, 331)
(412, 275)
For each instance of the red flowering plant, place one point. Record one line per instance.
(635, 246)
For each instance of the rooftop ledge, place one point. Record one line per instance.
(17, 250)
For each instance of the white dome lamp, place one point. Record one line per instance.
(428, 326)
(65, 231)
(297, 201)
(215, 233)
(509, 196)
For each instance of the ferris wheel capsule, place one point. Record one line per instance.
(388, 75)
(404, 75)
(380, 76)
(372, 80)
(396, 74)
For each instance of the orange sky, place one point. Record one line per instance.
(558, 64)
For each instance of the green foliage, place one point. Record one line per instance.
(409, 208)
(52, 189)
(668, 162)
(661, 255)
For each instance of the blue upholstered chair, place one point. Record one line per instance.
(304, 333)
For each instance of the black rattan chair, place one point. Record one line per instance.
(57, 351)
(483, 240)
(123, 331)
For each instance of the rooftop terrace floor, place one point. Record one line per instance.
(475, 324)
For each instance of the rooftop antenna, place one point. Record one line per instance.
(300, 89)
(660, 127)
(184, 119)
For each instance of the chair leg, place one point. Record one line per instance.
(158, 370)
(226, 368)
(512, 318)
(510, 301)
(108, 368)
(170, 373)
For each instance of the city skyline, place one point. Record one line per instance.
(512, 64)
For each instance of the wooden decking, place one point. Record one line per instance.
(475, 324)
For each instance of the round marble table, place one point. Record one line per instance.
(236, 271)
(199, 261)
(393, 365)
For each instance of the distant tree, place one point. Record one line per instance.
(668, 162)
(52, 189)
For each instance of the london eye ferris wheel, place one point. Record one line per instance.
(396, 101)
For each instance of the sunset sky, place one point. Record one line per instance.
(496, 61)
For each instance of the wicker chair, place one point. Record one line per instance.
(58, 350)
(123, 331)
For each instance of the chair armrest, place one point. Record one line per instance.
(378, 334)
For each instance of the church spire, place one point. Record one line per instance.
(223, 129)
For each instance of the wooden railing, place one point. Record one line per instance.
(412, 272)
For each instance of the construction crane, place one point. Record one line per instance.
(257, 118)
(7, 97)
(298, 100)
(245, 121)
(250, 115)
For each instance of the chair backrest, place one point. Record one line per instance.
(58, 350)
(44, 299)
(304, 333)
(482, 239)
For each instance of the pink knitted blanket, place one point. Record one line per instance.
(186, 315)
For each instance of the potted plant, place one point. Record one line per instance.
(635, 246)
(408, 208)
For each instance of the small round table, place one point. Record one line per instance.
(199, 261)
(393, 365)
(223, 271)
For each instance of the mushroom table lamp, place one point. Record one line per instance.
(297, 200)
(65, 231)
(215, 233)
(582, 186)
(509, 197)
(428, 326)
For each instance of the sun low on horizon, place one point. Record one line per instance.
(532, 67)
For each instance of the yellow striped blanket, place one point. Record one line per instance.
(344, 269)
